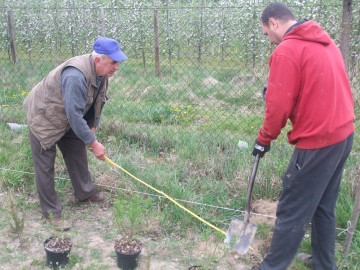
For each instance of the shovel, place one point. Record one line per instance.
(240, 234)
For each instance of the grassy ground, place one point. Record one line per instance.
(179, 134)
(173, 239)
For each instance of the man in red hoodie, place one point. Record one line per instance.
(308, 85)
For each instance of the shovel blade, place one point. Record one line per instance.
(240, 235)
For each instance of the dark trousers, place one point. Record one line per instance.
(310, 190)
(75, 157)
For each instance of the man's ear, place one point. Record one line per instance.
(97, 59)
(273, 24)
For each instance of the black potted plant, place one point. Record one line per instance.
(129, 218)
(57, 248)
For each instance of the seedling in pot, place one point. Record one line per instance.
(57, 247)
(129, 220)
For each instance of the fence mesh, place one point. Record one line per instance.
(207, 81)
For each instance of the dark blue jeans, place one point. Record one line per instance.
(310, 190)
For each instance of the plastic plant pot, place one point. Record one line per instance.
(127, 261)
(56, 258)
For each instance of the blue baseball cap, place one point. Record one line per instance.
(110, 47)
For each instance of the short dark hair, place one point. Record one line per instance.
(277, 11)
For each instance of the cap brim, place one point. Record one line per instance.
(118, 56)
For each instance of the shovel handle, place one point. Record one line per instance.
(250, 188)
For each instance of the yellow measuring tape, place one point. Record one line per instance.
(165, 195)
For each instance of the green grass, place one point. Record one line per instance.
(181, 137)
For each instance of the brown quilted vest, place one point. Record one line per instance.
(44, 105)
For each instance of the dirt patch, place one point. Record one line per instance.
(93, 237)
(264, 211)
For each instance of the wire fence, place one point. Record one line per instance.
(193, 67)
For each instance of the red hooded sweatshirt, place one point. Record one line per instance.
(308, 84)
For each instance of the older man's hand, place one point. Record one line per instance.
(98, 150)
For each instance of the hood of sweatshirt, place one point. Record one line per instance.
(309, 31)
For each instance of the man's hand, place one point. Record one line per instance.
(260, 149)
(98, 150)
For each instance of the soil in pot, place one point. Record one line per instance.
(57, 251)
(127, 253)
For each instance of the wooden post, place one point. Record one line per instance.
(354, 219)
(346, 31)
(11, 37)
(72, 30)
(156, 43)
(169, 42)
(102, 21)
(200, 27)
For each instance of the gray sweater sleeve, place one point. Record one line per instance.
(74, 92)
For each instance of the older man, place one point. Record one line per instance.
(64, 109)
(307, 85)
